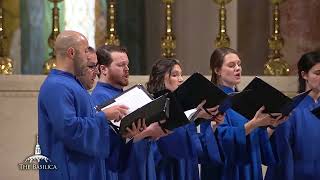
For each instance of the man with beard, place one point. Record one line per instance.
(114, 73)
(72, 135)
(87, 78)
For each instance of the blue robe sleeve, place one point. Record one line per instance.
(267, 153)
(119, 153)
(176, 145)
(88, 135)
(210, 148)
(282, 141)
(232, 140)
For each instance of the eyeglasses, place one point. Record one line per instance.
(93, 67)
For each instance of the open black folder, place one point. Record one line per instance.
(134, 98)
(196, 89)
(142, 105)
(259, 93)
(156, 110)
(189, 95)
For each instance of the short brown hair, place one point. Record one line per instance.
(104, 53)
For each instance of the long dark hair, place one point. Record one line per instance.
(159, 70)
(216, 61)
(306, 62)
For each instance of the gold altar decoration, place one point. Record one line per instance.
(276, 65)
(111, 34)
(222, 39)
(6, 64)
(51, 62)
(168, 41)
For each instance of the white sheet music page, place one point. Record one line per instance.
(133, 99)
(189, 113)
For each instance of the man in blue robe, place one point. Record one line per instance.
(72, 135)
(113, 77)
(142, 163)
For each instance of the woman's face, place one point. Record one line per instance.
(230, 72)
(312, 77)
(173, 80)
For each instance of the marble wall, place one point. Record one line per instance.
(300, 29)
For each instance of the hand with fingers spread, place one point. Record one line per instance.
(262, 119)
(154, 131)
(279, 120)
(208, 113)
(217, 120)
(259, 120)
(116, 112)
(136, 128)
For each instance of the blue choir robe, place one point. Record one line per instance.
(147, 157)
(140, 163)
(71, 134)
(200, 148)
(297, 145)
(242, 155)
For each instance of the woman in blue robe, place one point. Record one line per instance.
(297, 140)
(244, 145)
(166, 74)
(146, 153)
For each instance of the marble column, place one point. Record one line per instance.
(300, 24)
(32, 44)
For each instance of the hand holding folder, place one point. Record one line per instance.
(259, 93)
(194, 92)
(196, 89)
(153, 111)
(140, 105)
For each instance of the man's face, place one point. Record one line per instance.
(80, 57)
(90, 71)
(118, 71)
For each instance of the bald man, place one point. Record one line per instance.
(72, 135)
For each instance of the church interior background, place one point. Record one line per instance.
(196, 28)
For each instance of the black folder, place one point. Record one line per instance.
(196, 89)
(177, 116)
(259, 93)
(189, 95)
(154, 111)
(164, 107)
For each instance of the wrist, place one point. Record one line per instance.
(249, 126)
(213, 125)
(253, 124)
(272, 127)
